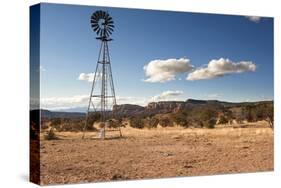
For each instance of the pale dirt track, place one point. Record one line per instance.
(156, 153)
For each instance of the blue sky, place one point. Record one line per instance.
(175, 48)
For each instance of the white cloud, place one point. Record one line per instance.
(166, 95)
(166, 70)
(81, 101)
(255, 19)
(221, 67)
(88, 77)
(213, 95)
(142, 101)
(64, 102)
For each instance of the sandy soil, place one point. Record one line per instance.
(156, 153)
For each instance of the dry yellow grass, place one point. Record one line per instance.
(155, 153)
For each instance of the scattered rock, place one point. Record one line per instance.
(176, 137)
(167, 154)
(192, 161)
(188, 166)
(117, 177)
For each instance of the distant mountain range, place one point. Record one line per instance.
(152, 108)
(53, 114)
(163, 107)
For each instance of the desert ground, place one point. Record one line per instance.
(155, 153)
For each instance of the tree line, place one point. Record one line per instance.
(198, 117)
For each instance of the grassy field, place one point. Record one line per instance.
(155, 153)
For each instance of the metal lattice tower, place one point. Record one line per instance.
(102, 96)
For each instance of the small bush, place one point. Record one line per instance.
(210, 124)
(223, 120)
(181, 120)
(51, 135)
(165, 122)
(151, 122)
(137, 123)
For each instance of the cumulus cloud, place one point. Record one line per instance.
(81, 101)
(255, 19)
(58, 103)
(88, 77)
(221, 67)
(166, 70)
(166, 95)
(213, 95)
(142, 101)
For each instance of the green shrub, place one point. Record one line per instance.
(223, 120)
(50, 135)
(181, 120)
(92, 118)
(165, 122)
(136, 123)
(210, 124)
(151, 122)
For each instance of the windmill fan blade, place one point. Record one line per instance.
(110, 25)
(106, 33)
(110, 29)
(109, 18)
(97, 14)
(95, 28)
(101, 32)
(103, 14)
(94, 16)
(106, 16)
(109, 22)
(100, 14)
(98, 32)
(95, 25)
(94, 22)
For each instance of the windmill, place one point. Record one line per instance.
(102, 97)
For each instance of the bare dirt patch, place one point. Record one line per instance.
(155, 153)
